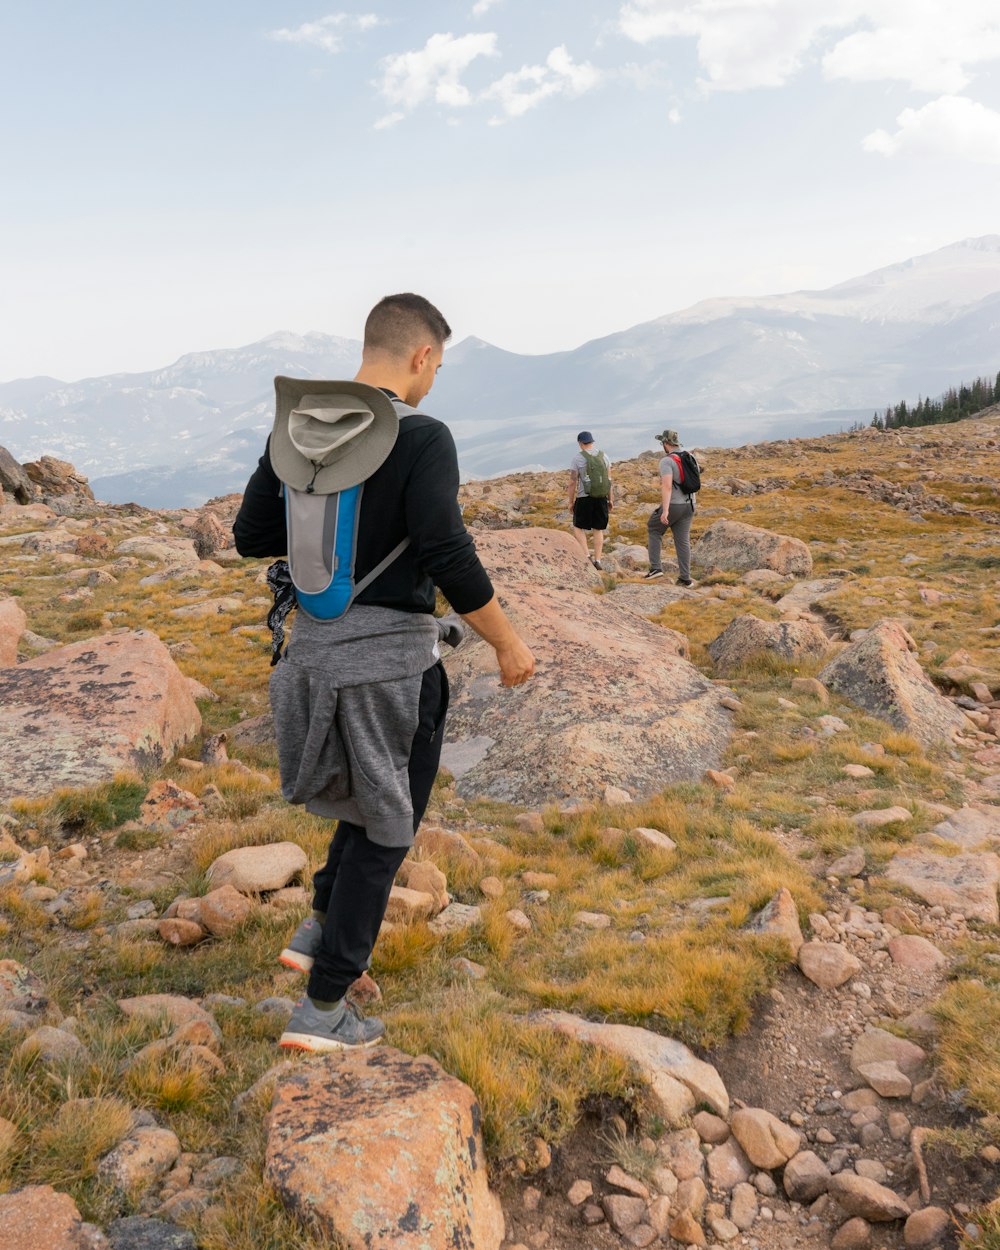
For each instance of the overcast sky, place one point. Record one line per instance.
(194, 174)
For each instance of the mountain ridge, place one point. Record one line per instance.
(722, 370)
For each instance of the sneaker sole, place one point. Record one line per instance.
(320, 1045)
(296, 960)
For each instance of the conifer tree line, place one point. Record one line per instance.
(956, 403)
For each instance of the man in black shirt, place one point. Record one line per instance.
(360, 702)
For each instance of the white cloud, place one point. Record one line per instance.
(525, 88)
(390, 119)
(482, 7)
(742, 44)
(327, 32)
(952, 126)
(674, 116)
(932, 46)
(434, 71)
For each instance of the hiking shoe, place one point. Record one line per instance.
(652, 575)
(597, 565)
(302, 949)
(684, 581)
(313, 1030)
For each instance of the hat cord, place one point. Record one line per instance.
(317, 465)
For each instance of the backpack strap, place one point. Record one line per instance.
(675, 457)
(380, 568)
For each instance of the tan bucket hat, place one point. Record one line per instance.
(328, 436)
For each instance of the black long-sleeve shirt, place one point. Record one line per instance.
(413, 494)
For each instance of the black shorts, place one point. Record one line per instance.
(590, 513)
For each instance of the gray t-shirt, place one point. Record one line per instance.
(670, 468)
(579, 467)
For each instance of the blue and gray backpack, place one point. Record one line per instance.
(322, 522)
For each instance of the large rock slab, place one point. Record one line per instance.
(609, 703)
(541, 557)
(383, 1150)
(39, 1218)
(163, 548)
(747, 636)
(13, 623)
(678, 1079)
(14, 480)
(77, 715)
(804, 595)
(736, 548)
(974, 827)
(57, 477)
(965, 883)
(881, 674)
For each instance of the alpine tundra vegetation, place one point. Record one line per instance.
(699, 941)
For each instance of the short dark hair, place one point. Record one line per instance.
(401, 323)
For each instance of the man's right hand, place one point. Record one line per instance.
(516, 662)
(513, 655)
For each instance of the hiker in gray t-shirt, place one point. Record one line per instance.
(590, 495)
(675, 512)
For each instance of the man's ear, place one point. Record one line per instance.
(419, 358)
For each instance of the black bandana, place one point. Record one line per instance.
(279, 579)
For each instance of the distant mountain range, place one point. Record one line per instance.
(724, 371)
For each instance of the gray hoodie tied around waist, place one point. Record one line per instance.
(346, 701)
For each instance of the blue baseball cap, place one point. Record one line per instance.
(585, 436)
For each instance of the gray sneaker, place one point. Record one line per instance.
(311, 1029)
(302, 949)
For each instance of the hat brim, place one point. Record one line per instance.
(356, 461)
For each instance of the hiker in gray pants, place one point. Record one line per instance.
(674, 512)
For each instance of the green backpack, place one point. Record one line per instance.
(597, 480)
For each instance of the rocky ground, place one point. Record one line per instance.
(730, 978)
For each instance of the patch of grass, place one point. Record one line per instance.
(630, 1155)
(977, 960)
(968, 1049)
(67, 1147)
(163, 1081)
(79, 813)
(699, 987)
(529, 1080)
(86, 910)
(403, 949)
(139, 839)
(90, 622)
(20, 917)
(967, 1140)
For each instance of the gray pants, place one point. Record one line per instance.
(679, 523)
